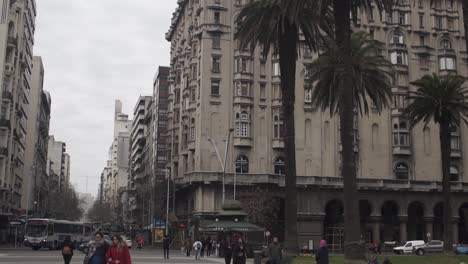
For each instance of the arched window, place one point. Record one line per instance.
(243, 124)
(242, 164)
(445, 44)
(279, 166)
(402, 171)
(454, 175)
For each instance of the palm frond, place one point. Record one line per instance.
(372, 76)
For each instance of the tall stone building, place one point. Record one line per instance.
(57, 162)
(38, 112)
(17, 25)
(216, 87)
(114, 178)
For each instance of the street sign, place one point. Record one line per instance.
(267, 233)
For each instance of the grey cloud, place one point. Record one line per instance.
(95, 52)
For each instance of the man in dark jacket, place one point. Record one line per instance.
(275, 252)
(322, 254)
(227, 251)
(166, 245)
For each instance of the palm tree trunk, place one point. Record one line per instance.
(353, 249)
(287, 53)
(445, 150)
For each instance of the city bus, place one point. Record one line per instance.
(50, 233)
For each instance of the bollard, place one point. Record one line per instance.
(257, 257)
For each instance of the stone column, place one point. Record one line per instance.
(429, 220)
(403, 231)
(375, 220)
(455, 221)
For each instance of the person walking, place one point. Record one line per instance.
(188, 246)
(166, 245)
(140, 241)
(209, 247)
(97, 250)
(227, 251)
(275, 253)
(197, 246)
(202, 251)
(239, 252)
(118, 253)
(322, 254)
(67, 250)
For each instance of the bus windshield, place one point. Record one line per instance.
(37, 230)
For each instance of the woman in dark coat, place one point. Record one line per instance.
(227, 251)
(97, 249)
(67, 250)
(239, 252)
(322, 254)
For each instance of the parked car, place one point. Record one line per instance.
(430, 247)
(128, 242)
(84, 246)
(408, 247)
(461, 249)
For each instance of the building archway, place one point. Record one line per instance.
(333, 225)
(438, 221)
(463, 224)
(390, 221)
(365, 211)
(416, 225)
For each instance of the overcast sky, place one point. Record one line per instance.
(95, 52)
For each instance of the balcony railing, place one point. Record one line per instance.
(321, 182)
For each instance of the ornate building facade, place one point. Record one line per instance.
(215, 87)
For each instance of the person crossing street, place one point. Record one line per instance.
(166, 245)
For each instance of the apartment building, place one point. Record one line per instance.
(38, 111)
(17, 26)
(140, 160)
(215, 87)
(58, 161)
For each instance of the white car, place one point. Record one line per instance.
(408, 247)
(127, 241)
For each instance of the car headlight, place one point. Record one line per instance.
(25, 240)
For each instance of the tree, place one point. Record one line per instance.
(336, 90)
(261, 206)
(64, 204)
(277, 23)
(342, 10)
(100, 212)
(442, 100)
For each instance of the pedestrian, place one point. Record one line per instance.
(227, 251)
(239, 252)
(188, 246)
(118, 253)
(67, 250)
(373, 259)
(202, 251)
(322, 254)
(140, 241)
(166, 245)
(197, 246)
(97, 250)
(209, 247)
(275, 253)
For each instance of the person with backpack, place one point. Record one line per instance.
(67, 250)
(197, 246)
(118, 253)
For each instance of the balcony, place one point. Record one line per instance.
(5, 123)
(8, 96)
(242, 142)
(450, 52)
(278, 144)
(243, 100)
(401, 150)
(9, 69)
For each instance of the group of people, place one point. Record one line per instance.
(99, 251)
(322, 255)
(207, 246)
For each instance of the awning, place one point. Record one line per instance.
(224, 226)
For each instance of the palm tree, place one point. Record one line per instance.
(371, 79)
(444, 101)
(342, 10)
(277, 23)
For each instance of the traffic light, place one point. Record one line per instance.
(181, 226)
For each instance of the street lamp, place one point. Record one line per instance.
(223, 164)
(35, 208)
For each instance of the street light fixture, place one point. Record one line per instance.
(223, 164)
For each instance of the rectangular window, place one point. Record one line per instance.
(450, 24)
(438, 22)
(216, 41)
(276, 68)
(421, 41)
(308, 95)
(217, 16)
(215, 64)
(455, 143)
(399, 58)
(421, 21)
(215, 87)
(262, 69)
(447, 63)
(403, 18)
(262, 91)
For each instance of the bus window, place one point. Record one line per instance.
(50, 228)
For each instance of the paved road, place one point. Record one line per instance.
(147, 256)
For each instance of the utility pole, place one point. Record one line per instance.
(223, 164)
(168, 176)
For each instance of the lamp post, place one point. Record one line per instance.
(223, 163)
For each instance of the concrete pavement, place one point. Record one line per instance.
(146, 256)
